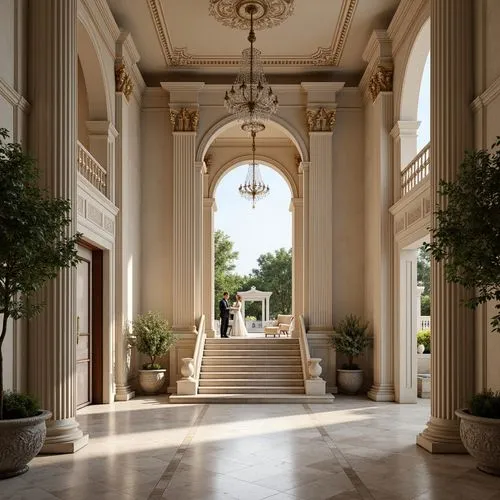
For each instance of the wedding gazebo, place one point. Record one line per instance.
(254, 295)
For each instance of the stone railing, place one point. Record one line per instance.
(416, 171)
(190, 369)
(424, 323)
(314, 385)
(91, 169)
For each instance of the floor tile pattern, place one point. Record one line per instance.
(354, 449)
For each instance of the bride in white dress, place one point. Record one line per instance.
(239, 329)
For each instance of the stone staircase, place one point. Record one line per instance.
(251, 370)
(251, 366)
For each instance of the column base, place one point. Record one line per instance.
(124, 393)
(381, 392)
(64, 436)
(441, 436)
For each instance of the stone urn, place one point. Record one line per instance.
(420, 349)
(21, 439)
(481, 438)
(349, 381)
(151, 381)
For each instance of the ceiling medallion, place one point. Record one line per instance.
(234, 13)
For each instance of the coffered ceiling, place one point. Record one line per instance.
(179, 39)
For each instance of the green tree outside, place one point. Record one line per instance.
(424, 279)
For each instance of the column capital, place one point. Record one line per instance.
(209, 203)
(408, 128)
(102, 127)
(184, 119)
(200, 167)
(321, 119)
(304, 166)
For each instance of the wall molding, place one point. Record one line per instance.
(487, 97)
(13, 97)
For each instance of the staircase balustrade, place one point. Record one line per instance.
(416, 171)
(311, 368)
(191, 367)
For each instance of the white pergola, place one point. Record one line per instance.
(254, 295)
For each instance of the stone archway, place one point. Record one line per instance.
(209, 207)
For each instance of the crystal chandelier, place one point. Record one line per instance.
(254, 188)
(251, 99)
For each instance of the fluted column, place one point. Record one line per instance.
(209, 206)
(304, 171)
(381, 250)
(320, 300)
(451, 133)
(52, 335)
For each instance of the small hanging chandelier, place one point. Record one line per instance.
(254, 188)
(251, 99)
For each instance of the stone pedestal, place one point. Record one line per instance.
(452, 363)
(52, 334)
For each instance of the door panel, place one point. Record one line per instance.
(84, 331)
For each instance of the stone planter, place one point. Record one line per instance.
(481, 438)
(151, 381)
(20, 441)
(349, 381)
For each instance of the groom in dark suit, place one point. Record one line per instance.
(224, 315)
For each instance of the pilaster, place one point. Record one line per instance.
(52, 334)
(297, 209)
(452, 362)
(320, 119)
(209, 207)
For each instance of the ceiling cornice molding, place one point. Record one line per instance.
(323, 56)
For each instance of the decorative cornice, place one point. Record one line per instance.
(380, 81)
(323, 56)
(123, 81)
(320, 120)
(184, 120)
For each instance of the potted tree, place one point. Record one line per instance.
(466, 238)
(152, 336)
(350, 339)
(34, 246)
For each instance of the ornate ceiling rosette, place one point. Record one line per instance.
(234, 13)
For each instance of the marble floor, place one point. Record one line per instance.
(352, 449)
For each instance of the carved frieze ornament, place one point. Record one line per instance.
(208, 160)
(320, 120)
(184, 120)
(123, 82)
(381, 81)
(269, 13)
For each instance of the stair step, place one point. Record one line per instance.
(244, 347)
(269, 369)
(246, 340)
(252, 352)
(251, 390)
(252, 360)
(251, 399)
(251, 382)
(251, 373)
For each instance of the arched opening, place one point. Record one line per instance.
(227, 156)
(253, 246)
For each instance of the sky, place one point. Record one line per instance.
(268, 227)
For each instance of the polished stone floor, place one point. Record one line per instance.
(352, 449)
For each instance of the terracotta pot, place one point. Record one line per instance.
(481, 438)
(151, 381)
(349, 381)
(21, 439)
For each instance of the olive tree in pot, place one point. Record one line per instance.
(466, 238)
(152, 336)
(34, 246)
(350, 339)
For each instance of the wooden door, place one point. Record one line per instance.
(84, 329)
